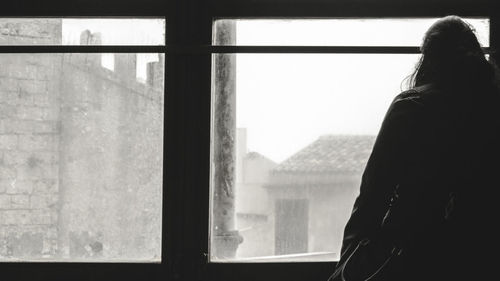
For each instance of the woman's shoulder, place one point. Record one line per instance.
(421, 96)
(415, 105)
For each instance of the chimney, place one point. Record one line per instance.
(155, 73)
(95, 39)
(88, 38)
(85, 37)
(126, 67)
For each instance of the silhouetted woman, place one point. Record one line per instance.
(427, 203)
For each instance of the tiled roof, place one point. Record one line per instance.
(330, 153)
(256, 155)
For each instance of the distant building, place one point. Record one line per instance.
(252, 201)
(312, 193)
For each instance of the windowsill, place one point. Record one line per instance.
(307, 257)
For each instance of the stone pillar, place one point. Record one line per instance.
(225, 237)
(85, 37)
(154, 74)
(89, 38)
(126, 67)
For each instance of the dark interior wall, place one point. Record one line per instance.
(83, 7)
(155, 7)
(189, 135)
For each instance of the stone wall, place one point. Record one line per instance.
(30, 31)
(111, 159)
(81, 152)
(29, 141)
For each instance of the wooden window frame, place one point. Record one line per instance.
(187, 121)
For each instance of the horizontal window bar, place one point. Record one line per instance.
(302, 49)
(82, 49)
(205, 49)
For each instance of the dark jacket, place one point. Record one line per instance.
(433, 144)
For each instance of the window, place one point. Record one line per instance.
(82, 132)
(294, 131)
(189, 58)
(292, 223)
(78, 140)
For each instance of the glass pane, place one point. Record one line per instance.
(303, 127)
(338, 32)
(81, 31)
(81, 157)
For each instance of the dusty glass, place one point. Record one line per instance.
(339, 32)
(81, 154)
(292, 132)
(304, 126)
(81, 157)
(82, 31)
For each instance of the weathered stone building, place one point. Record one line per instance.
(81, 151)
(312, 193)
(252, 204)
(297, 209)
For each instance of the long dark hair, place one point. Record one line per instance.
(452, 58)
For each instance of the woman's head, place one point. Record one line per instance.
(451, 56)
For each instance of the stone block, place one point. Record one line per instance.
(45, 61)
(23, 98)
(4, 184)
(7, 111)
(19, 126)
(19, 70)
(20, 201)
(51, 113)
(30, 126)
(36, 171)
(24, 172)
(49, 247)
(41, 99)
(8, 141)
(25, 244)
(41, 217)
(46, 186)
(45, 127)
(3, 127)
(29, 158)
(20, 187)
(16, 217)
(7, 173)
(13, 157)
(41, 201)
(8, 84)
(32, 113)
(11, 99)
(37, 142)
(5, 201)
(33, 86)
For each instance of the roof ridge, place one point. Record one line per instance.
(346, 135)
(330, 153)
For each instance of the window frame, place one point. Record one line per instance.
(187, 119)
(65, 270)
(272, 10)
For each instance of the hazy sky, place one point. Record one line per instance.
(287, 101)
(118, 32)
